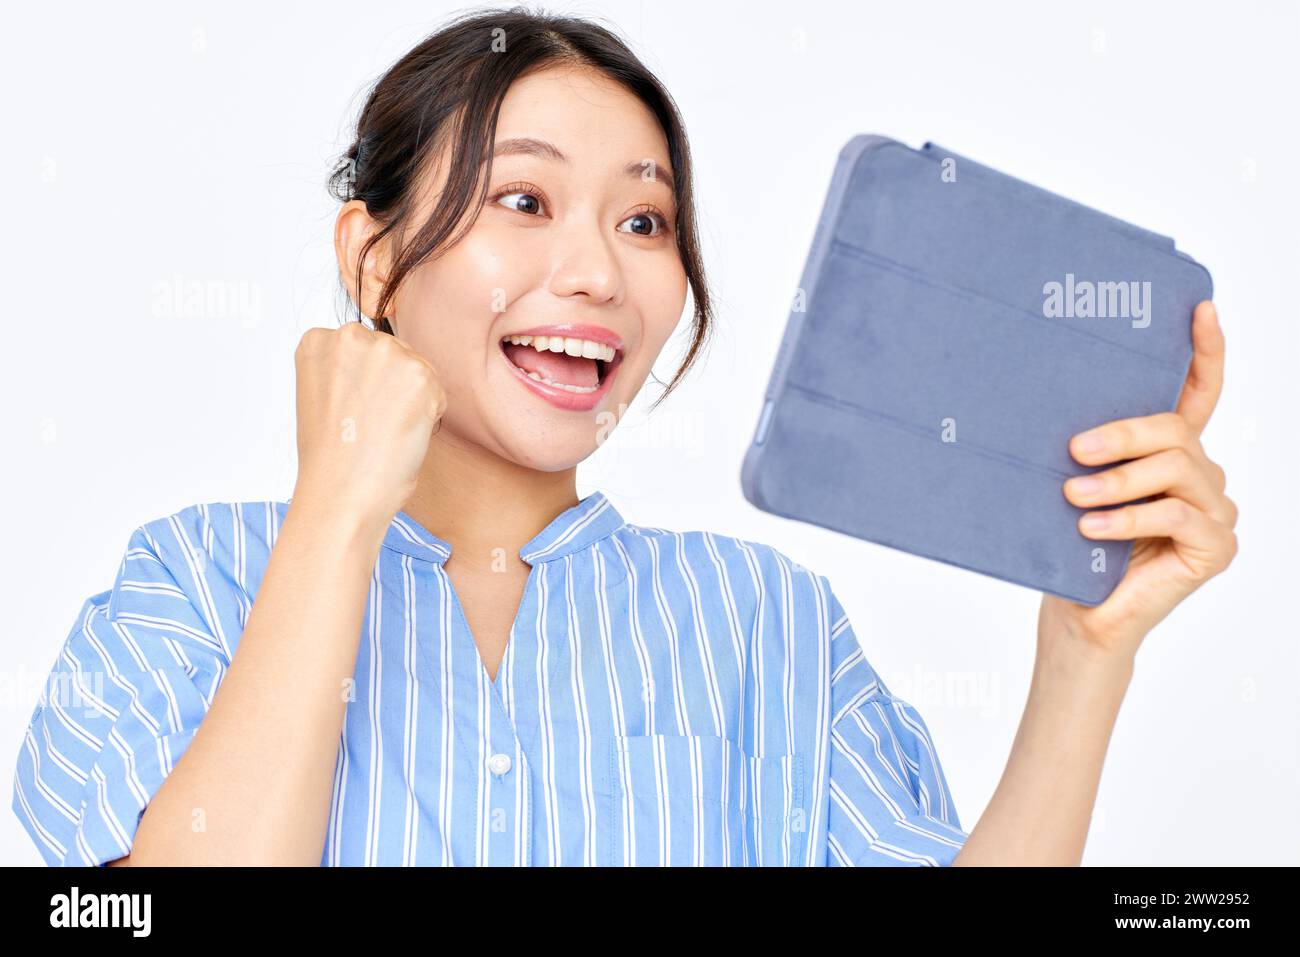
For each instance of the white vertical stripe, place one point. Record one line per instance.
(582, 720)
(411, 715)
(445, 740)
(373, 715)
(547, 737)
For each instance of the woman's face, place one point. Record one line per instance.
(575, 243)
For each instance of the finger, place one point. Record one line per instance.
(1232, 510)
(1203, 542)
(1171, 472)
(412, 351)
(1205, 376)
(1133, 438)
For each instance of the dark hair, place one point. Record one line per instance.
(448, 89)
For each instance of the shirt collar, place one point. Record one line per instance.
(578, 526)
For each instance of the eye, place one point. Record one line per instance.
(647, 218)
(510, 197)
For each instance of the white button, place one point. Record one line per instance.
(499, 763)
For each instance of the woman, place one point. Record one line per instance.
(327, 680)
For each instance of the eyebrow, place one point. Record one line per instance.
(528, 146)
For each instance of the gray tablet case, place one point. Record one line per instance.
(953, 328)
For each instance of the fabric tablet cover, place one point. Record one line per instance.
(931, 376)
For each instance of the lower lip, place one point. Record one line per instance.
(563, 398)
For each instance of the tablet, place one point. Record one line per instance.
(953, 328)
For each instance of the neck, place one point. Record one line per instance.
(484, 505)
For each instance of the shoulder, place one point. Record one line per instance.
(196, 569)
(716, 546)
(180, 595)
(212, 529)
(746, 569)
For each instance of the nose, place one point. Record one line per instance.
(586, 262)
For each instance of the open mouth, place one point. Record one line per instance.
(575, 365)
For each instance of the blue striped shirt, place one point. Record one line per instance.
(680, 698)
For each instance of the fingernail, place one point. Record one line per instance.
(1095, 521)
(1085, 485)
(1091, 442)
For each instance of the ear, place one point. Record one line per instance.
(352, 229)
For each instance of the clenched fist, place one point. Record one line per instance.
(367, 405)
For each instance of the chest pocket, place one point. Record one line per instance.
(695, 800)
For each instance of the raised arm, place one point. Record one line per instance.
(260, 766)
(1183, 536)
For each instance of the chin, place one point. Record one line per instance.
(550, 453)
(536, 434)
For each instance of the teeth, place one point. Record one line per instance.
(562, 385)
(583, 348)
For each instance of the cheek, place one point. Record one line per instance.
(448, 306)
(660, 297)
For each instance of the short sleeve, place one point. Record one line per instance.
(134, 678)
(890, 804)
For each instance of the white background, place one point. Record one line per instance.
(192, 140)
